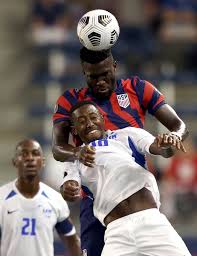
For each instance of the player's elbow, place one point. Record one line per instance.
(56, 154)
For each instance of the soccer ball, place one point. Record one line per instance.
(98, 30)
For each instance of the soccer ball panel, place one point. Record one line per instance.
(98, 30)
(104, 20)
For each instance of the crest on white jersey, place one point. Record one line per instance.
(123, 100)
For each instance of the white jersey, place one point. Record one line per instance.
(120, 169)
(27, 224)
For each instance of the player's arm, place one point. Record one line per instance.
(73, 243)
(68, 235)
(71, 184)
(166, 145)
(65, 227)
(168, 117)
(153, 100)
(62, 151)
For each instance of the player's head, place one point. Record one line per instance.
(28, 159)
(88, 122)
(99, 69)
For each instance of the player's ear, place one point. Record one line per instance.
(115, 64)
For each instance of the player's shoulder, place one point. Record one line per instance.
(130, 131)
(6, 189)
(75, 92)
(54, 198)
(50, 192)
(133, 80)
(133, 83)
(119, 134)
(126, 130)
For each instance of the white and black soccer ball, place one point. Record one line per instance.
(98, 30)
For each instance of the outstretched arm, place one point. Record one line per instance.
(166, 145)
(168, 117)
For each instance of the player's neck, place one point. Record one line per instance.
(28, 188)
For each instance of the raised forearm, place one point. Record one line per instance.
(168, 117)
(62, 151)
(65, 153)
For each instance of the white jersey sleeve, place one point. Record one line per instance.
(64, 211)
(64, 226)
(140, 138)
(71, 172)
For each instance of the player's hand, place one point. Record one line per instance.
(86, 155)
(170, 140)
(70, 190)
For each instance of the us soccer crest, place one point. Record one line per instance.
(123, 100)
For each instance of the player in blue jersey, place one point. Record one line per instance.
(30, 210)
(123, 103)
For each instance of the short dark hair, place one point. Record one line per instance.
(94, 57)
(82, 103)
(26, 140)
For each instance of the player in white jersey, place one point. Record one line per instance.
(126, 196)
(30, 210)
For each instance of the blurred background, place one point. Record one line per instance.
(39, 59)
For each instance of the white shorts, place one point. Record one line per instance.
(145, 233)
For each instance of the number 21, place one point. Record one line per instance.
(29, 227)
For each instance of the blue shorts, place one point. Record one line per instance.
(92, 231)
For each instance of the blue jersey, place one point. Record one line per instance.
(127, 105)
